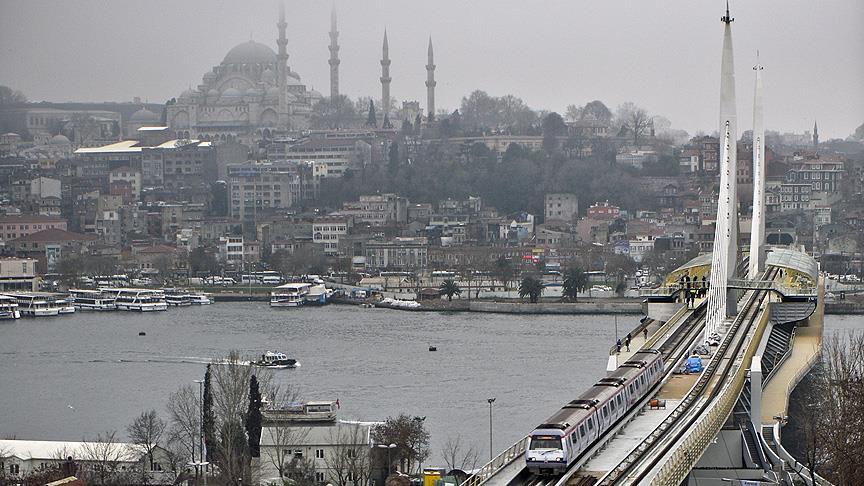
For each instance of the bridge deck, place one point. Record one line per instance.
(806, 348)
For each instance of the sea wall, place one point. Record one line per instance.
(557, 308)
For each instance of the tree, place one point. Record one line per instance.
(208, 420)
(282, 435)
(333, 113)
(532, 288)
(371, 118)
(146, 431)
(458, 455)
(105, 454)
(450, 288)
(253, 418)
(411, 439)
(575, 281)
(201, 261)
(598, 112)
(352, 459)
(9, 96)
(84, 127)
(553, 127)
(573, 113)
(633, 119)
(185, 419)
(503, 271)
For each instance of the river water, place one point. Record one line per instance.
(73, 376)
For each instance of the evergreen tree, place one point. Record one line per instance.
(208, 423)
(393, 157)
(253, 418)
(371, 120)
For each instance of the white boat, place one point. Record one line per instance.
(9, 308)
(200, 299)
(317, 295)
(91, 300)
(36, 304)
(275, 359)
(177, 298)
(66, 304)
(289, 295)
(141, 300)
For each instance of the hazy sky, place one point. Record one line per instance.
(661, 54)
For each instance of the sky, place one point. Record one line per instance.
(664, 55)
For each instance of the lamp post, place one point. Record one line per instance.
(491, 401)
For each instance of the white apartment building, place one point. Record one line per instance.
(326, 231)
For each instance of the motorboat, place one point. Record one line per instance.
(36, 304)
(91, 300)
(275, 360)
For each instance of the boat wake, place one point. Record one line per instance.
(177, 360)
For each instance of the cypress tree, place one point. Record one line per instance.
(253, 418)
(208, 423)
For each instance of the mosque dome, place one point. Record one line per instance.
(59, 140)
(186, 94)
(254, 92)
(144, 116)
(316, 95)
(250, 52)
(213, 92)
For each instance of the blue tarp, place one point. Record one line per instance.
(693, 365)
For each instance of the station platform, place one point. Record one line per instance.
(806, 349)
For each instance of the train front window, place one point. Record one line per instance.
(545, 442)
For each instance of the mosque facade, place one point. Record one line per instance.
(252, 94)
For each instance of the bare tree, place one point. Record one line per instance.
(146, 432)
(458, 455)
(633, 119)
(278, 436)
(350, 461)
(185, 415)
(105, 455)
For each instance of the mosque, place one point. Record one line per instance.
(252, 94)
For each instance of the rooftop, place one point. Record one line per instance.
(55, 235)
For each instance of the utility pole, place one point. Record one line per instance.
(491, 401)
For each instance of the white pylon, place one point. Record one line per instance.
(717, 295)
(757, 230)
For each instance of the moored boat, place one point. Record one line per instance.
(289, 295)
(9, 308)
(141, 300)
(91, 300)
(35, 304)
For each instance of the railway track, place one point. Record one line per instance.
(642, 461)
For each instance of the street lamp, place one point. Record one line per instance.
(491, 401)
(389, 448)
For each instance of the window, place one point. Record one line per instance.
(298, 453)
(319, 453)
(14, 468)
(319, 476)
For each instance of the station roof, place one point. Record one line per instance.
(794, 260)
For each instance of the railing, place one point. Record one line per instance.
(778, 362)
(688, 450)
(499, 462)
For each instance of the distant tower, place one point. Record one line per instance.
(815, 136)
(385, 82)
(334, 56)
(282, 58)
(430, 81)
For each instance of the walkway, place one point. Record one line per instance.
(806, 348)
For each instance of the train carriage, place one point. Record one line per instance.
(557, 443)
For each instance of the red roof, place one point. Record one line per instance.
(30, 218)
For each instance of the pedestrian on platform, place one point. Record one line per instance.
(645, 333)
(627, 342)
(618, 345)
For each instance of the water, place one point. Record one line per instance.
(74, 376)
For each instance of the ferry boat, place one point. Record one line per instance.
(276, 360)
(200, 299)
(9, 308)
(36, 304)
(289, 295)
(66, 304)
(177, 298)
(91, 300)
(141, 300)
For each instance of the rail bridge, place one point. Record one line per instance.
(752, 317)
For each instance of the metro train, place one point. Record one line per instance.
(554, 445)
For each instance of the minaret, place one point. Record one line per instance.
(757, 230)
(815, 136)
(385, 81)
(282, 64)
(334, 56)
(430, 81)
